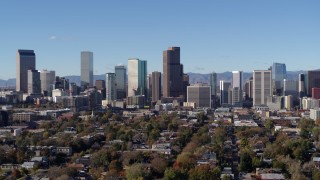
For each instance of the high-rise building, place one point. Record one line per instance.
(249, 88)
(313, 81)
(26, 59)
(224, 89)
(290, 87)
(86, 68)
(47, 78)
(34, 83)
(213, 83)
(173, 84)
(262, 86)
(137, 77)
(279, 73)
(302, 85)
(199, 94)
(121, 79)
(155, 86)
(237, 88)
(316, 93)
(110, 87)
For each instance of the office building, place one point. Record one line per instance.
(249, 88)
(288, 102)
(262, 86)
(110, 87)
(47, 78)
(86, 68)
(213, 83)
(290, 87)
(200, 94)
(155, 85)
(137, 77)
(34, 83)
(279, 73)
(313, 81)
(302, 85)
(224, 89)
(100, 84)
(25, 59)
(121, 80)
(236, 98)
(315, 114)
(173, 84)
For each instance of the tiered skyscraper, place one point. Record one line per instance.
(237, 88)
(86, 68)
(26, 60)
(173, 84)
(137, 77)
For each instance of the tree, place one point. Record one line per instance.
(158, 165)
(136, 171)
(245, 162)
(202, 172)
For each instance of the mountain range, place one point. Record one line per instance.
(193, 78)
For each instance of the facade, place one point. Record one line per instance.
(237, 86)
(121, 79)
(155, 85)
(315, 114)
(288, 102)
(25, 59)
(34, 83)
(100, 84)
(313, 81)
(86, 68)
(172, 73)
(279, 73)
(47, 80)
(262, 86)
(137, 77)
(224, 88)
(110, 87)
(199, 94)
(213, 83)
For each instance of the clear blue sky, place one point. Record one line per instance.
(214, 35)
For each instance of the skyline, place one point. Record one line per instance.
(248, 35)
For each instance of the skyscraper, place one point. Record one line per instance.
(137, 77)
(302, 85)
(110, 87)
(262, 86)
(121, 79)
(34, 83)
(47, 78)
(279, 73)
(172, 73)
(213, 83)
(86, 68)
(313, 81)
(236, 88)
(224, 87)
(26, 59)
(156, 86)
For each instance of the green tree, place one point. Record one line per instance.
(245, 161)
(136, 171)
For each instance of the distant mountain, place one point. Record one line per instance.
(193, 78)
